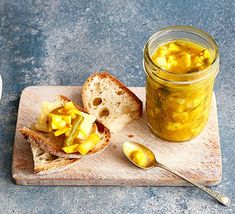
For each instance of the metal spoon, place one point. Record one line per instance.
(150, 162)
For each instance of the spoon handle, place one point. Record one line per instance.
(218, 196)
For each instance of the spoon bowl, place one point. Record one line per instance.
(129, 147)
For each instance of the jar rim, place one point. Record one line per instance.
(188, 29)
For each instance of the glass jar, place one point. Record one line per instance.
(178, 105)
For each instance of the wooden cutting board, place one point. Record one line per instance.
(198, 159)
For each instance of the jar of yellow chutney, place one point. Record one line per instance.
(181, 64)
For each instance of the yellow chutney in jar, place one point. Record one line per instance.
(181, 64)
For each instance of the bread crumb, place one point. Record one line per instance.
(130, 135)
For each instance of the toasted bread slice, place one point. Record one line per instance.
(46, 163)
(110, 101)
(51, 144)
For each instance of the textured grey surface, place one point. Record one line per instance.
(60, 43)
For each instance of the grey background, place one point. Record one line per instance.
(58, 42)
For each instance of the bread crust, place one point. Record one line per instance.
(53, 145)
(103, 75)
(56, 165)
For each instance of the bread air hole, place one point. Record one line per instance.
(118, 104)
(51, 158)
(97, 101)
(40, 152)
(119, 92)
(97, 87)
(104, 112)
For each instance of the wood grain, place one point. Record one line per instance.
(199, 159)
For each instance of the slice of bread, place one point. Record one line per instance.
(46, 163)
(51, 144)
(110, 101)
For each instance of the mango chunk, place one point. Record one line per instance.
(206, 54)
(57, 122)
(186, 60)
(68, 106)
(174, 126)
(88, 144)
(70, 149)
(61, 131)
(73, 111)
(173, 47)
(162, 51)
(197, 61)
(161, 61)
(82, 135)
(68, 119)
(139, 158)
(172, 60)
